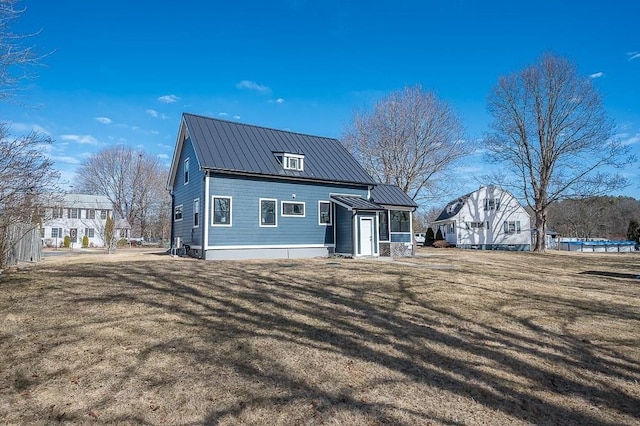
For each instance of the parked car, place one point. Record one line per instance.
(419, 237)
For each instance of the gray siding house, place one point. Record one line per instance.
(241, 191)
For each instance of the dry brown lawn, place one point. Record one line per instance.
(451, 337)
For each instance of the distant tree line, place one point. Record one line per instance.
(595, 217)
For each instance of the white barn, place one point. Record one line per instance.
(487, 219)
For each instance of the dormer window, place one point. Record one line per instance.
(293, 162)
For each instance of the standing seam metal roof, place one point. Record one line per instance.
(391, 195)
(235, 147)
(356, 202)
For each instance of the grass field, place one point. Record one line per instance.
(451, 337)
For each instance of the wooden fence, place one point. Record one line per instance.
(21, 243)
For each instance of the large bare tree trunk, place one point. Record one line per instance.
(541, 231)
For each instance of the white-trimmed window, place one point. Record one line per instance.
(400, 221)
(196, 213)
(268, 213)
(74, 213)
(186, 171)
(476, 225)
(57, 213)
(91, 214)
(103, 214)
(492, 204)
(221, 211)
(324, 213)
(56, 232)
(293, 162)
(177, 213)
(292, 208)
(512, 227)
(89, 232)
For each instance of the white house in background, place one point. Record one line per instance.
(487, 219)
(77, 215)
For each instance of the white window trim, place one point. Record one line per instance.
(181, 207)
(213, 213)
(304, 208)
(285, 161)
(186, 172)
(260, 212)
(330, 213)
(194, 213)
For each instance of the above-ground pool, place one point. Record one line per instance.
(599, 246)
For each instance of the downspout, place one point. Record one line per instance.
(354, 222)
(173, 206)
(205, 216)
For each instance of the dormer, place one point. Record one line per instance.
(291, 161)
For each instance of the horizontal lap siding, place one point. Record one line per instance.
(344, 231)
(246, 193)
(185, 194)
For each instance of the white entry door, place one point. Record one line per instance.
(366, 236)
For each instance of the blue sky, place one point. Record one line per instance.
(124, 71)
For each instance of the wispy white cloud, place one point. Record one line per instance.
(169, 99)
(628, 139)
(596, 75)
(276, 101)
(252, 85)
(27, 128)
(81, 139)
(152, 112)
(163, 156)
(237, 117)
(104, 120)
(223, 114)
(633, 55)
(65, 159)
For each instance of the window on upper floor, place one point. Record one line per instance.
(186, 171)
(292, 208)
(324, 213)
(74, 213)
(221, 211)
(293, 162)
(57, 213)
(492, 204)
(103, 214)
(268, 214)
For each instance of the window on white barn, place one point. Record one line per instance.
(512, 227)
(491, 204)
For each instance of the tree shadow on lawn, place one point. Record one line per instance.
(226, 310)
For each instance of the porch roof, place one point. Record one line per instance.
(355, 203)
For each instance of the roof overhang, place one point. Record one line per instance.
(355, 203)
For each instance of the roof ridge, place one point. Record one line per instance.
(257, 126)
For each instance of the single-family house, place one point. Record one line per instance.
(488, 219)
(241, 191)
(77, 215)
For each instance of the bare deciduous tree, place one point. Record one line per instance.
(409, 139)
(16, 58)
(551, 132)
(26, 175)
(132, 180)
